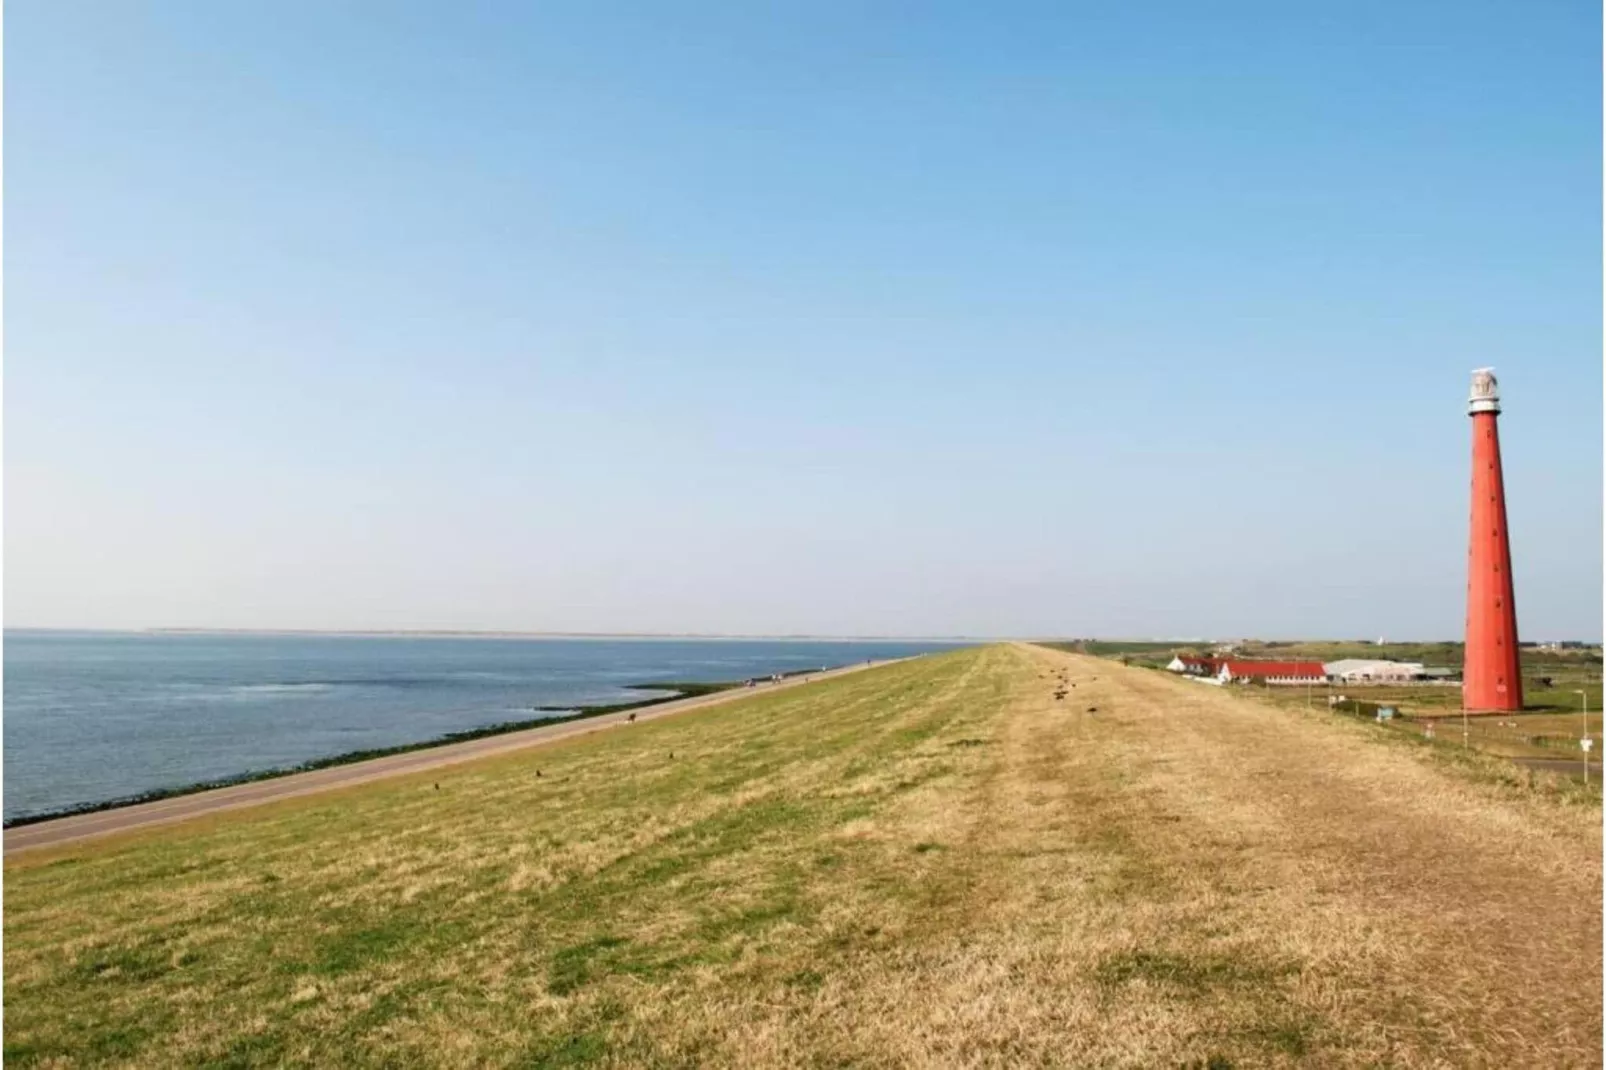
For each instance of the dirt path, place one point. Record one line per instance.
(184, 807)
(1420, 911)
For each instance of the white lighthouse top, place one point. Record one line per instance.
(1485, 392)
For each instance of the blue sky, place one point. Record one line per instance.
(1020, 319)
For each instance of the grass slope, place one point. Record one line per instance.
(932, 863)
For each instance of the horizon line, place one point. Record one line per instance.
(487, 633)
(792, 636)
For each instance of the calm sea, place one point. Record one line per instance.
(97, 716)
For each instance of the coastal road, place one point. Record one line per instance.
(183, 807)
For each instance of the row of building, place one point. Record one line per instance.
(1346, 671)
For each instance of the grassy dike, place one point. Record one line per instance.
(928, 863)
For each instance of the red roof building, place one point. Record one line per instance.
(1272, 672)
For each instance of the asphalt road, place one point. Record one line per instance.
(184, 807)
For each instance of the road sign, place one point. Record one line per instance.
(1586, 743)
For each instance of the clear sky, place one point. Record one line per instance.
(838, 318)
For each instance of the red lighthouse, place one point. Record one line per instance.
(1492, 676)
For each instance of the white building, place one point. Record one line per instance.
(1370, 671)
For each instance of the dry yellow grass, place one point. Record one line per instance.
(931, 864)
